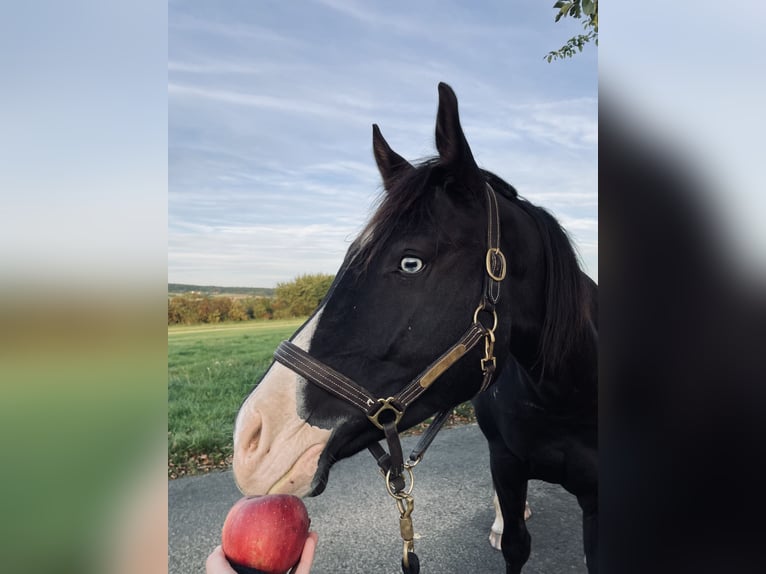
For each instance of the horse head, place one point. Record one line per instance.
(407, 291)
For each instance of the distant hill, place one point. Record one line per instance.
(212, 290)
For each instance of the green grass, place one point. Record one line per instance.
(211, 369)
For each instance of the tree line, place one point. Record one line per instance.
(296, 298)
(182, 288)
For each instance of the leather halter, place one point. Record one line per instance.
(344, 388)
(385, 413)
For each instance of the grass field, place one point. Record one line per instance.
(211, 369)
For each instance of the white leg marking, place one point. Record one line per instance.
(496, 532)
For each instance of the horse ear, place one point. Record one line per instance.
(390, 164)
(454, 152)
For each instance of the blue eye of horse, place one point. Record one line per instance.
(411, 264)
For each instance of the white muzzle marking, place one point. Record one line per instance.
(276, 451)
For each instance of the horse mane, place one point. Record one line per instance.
(406, 205)
(565, 294)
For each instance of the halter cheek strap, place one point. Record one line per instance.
(495, 260)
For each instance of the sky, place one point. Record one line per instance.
(270, 106)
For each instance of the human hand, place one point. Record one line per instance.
(218, 564)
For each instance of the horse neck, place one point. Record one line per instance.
(522, 306)
(526, 296)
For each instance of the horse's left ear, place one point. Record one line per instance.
(390, 164)
(454, 152)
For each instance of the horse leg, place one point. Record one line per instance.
(510, 478)
(589, 505)
(496, 532)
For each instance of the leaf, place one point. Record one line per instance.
(564, 8)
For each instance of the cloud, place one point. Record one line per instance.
(289, 105)
(180, 22)
(270, 156)
(259, 254)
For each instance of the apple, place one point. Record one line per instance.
(265, 533)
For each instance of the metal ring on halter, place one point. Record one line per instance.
(481, 308)
(386, 405)
(495, 252)
(402, 494)
(413, 462)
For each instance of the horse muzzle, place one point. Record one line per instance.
(275, 450)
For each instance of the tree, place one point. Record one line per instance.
(585, 10)
(237, 311)
(300, 296)
(259, 308)
(192, 308)
(183, 309)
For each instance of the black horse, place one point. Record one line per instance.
(456, 289)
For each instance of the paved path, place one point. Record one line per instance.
(358, 523)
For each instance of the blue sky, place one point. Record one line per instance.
(270, 106)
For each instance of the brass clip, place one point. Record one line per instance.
(406, 506)
(484, 362)
(409, 546)
(489, 351)
(406, 529)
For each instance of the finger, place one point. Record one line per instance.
(307, 557)
(217, 564)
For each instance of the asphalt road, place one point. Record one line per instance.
(358, 522)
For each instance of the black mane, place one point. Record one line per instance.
(566, 295)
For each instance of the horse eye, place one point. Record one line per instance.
(411, 264)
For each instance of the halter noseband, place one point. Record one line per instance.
(385, 413)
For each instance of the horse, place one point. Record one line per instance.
(456, 289)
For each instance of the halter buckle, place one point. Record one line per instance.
(494, 254)
(386, 405)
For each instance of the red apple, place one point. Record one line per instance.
(266, 533)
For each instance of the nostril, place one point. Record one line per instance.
(253, 432)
